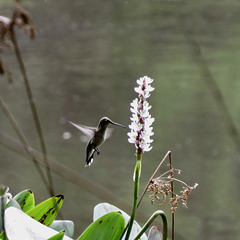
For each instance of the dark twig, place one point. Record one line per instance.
(22, 138)
(172, 186)
(151, 178)
(33, 108)
(169, 155)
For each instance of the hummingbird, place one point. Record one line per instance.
(97, 136)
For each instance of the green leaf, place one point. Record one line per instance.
(103, 208)
(109, 226)
(25, 199)
(58, 236)
(66, 225)
(46, 211)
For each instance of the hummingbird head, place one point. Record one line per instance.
(105, 122)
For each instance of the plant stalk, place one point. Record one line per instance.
(172, 187)
(149, 222)
(137, 173)
(33, 107)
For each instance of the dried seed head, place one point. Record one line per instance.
(161, 187)
(22, 19)
(4, 28)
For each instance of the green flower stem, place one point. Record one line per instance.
(149, 222)
(137, 173)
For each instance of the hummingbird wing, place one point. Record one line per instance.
(88, 131)
(109, 132)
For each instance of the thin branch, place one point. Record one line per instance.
(172, 187)
(22, 138)
(33, 107)
(162, 175)
(151, 178)
(176, 180)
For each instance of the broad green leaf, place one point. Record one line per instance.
(20, 226)
(46, 211)
(154, 233)
(58, 236)
(108, 227)
(25, 199)
(103, 208)
(66, 225)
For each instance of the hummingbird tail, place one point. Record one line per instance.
(89, 160)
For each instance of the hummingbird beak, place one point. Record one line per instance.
(117, 124)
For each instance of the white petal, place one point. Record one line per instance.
(139, 90)
(149, 88)
(146, 94)
(135, 126)
(140, 81)
(148, 80)
(146, 106)
(134, 117)
(18, 225)
(149, 120)
(147, 148)
(134, 103)
(143, 113)
(132, 136)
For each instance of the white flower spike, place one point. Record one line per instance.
(141, 120)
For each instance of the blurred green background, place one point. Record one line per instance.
(84, 64)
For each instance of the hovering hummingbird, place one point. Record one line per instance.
(97, 136)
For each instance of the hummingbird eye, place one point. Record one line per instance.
(106, 121)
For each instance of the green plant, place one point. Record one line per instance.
(22, 209)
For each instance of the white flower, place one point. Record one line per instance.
(134, 117)
(134, 105)
(147, 80)
(141, 120)
(146, 106)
